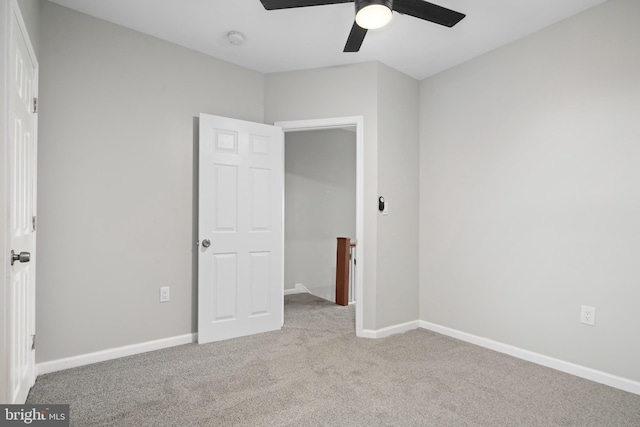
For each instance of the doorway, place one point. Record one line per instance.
(320, 205)
(313, 235)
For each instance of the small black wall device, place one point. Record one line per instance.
(380, 203)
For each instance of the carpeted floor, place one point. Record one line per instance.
(315, 372)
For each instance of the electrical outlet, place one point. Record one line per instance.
(588, 315)
(164, 294)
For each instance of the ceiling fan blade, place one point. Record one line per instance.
(288, 4)
(428, 11)
(356, 37)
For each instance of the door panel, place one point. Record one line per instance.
(225, 282)
(260, 199)
(260, 278)
(225, 213)
(240, 279)
(21, 209)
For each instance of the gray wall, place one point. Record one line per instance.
(335, 92)
(361, 90)
(30, 10)
(398, 176)
(320, 205)
(116, 180)
(529, 195)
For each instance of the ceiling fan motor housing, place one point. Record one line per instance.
(364, 3)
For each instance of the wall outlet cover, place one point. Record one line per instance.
(588, 315)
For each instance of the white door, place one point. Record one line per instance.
(21, 207)
(240, 262)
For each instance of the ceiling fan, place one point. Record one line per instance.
(372, 14)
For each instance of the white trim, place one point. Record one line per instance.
(113, 353)
(333, 123)
(391, 330)
(540, 359)
(299, 289)
(318, 124)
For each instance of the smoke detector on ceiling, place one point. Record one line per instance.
(236, 38)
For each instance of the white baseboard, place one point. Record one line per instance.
(540, 359)
(390, 330)
(299, 289)
(113, 353)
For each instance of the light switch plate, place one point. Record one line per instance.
(165, 296)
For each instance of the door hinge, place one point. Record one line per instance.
(35, 105)
(33, 222)
(33, 342)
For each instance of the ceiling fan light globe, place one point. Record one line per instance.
(373, 14)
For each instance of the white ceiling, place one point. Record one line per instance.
(313, 37)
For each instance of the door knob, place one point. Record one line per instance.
(21, 257)
(206, 243)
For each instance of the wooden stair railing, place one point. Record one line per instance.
(343, 256)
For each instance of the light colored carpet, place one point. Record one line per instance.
(315, 372)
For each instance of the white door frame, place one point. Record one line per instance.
(333, 123)
(13, 11)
